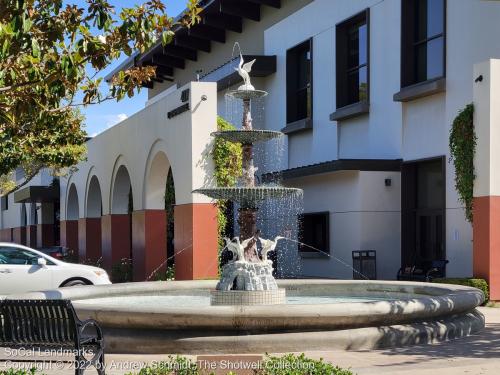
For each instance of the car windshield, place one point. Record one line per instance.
(13, 255)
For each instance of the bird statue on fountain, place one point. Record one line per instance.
(268, 246)
(244, 70)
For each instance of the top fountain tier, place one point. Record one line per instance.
(247, 137)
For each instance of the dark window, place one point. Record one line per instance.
(423, 40)
(299, 82)
(314, 232)
(5, 203)
(352, 60)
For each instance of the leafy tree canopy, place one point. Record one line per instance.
(51, 54)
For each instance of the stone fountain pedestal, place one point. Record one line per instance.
(253, 284)
(247, 276)
(247, 297)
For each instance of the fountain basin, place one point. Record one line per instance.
(379, 314)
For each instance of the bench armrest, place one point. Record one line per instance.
(434, 271)
(91, 323)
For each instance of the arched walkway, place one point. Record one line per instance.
(122, 184)
(117, 226)
(73, 211)
(89, 227)
(69, 227)
(149, 226)
(121, 196)
(94, 198)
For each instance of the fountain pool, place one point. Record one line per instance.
(176, 316)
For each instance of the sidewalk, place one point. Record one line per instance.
(474, 355)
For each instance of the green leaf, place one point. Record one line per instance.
(5, 47)
(167, 37)
(35, 47)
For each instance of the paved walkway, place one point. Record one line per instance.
(475, 355)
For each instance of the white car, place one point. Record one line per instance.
(23, 269)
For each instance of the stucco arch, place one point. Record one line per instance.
(93, 198)
(121, 186)
(155, 176)
(72, 205)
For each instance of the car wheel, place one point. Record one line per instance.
(74, 283)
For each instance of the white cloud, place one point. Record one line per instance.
(112, 120)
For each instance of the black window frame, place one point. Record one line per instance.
(292, 81)
(342, 70)
(409, 43)
(4, 203)
(303, 249)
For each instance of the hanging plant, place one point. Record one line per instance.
(227, 157)
(462, 151)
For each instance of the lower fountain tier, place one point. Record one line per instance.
(247, 137)
(250, 196)
(247, 276)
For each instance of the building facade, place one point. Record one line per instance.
(366, 92)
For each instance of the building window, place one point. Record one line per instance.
(352, 38)
(314, 233)
(423, 41)
(299, 82)
(5, 203)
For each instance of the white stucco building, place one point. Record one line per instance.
(366, 92)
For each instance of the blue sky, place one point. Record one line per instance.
(99, 117)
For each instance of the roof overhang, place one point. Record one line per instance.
(37, 194)
(373, 165)
(217, 17)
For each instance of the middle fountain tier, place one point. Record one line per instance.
(248, 278)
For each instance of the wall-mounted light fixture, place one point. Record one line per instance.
(479, 79)
(388, 182)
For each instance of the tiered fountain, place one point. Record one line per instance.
(176, 316)
(248, 278)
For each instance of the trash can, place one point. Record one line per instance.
(364, 263)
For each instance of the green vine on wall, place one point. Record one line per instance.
(462, 150)
(227, 157)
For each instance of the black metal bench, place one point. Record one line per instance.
(51, 325)
(426, 272)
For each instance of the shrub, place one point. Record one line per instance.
(288, 364)
(291, 364)
(167, 275)
(12, 371)
(173, 366)
(480, 284)
(121, 272)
